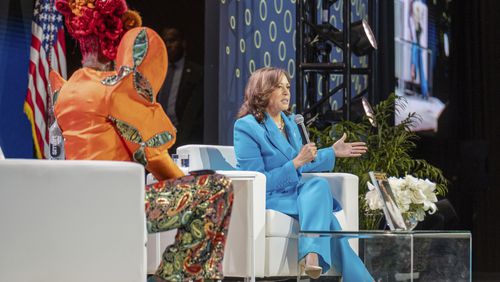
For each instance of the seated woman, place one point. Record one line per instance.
(111, 113)
(267, 140)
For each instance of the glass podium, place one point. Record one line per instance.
(408, 255)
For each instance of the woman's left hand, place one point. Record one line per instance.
(349, 149)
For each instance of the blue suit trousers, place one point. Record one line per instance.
(315, 212)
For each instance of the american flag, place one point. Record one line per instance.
(48, 51)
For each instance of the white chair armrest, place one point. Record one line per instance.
(246, 228)
(209, 156)
(246, 236)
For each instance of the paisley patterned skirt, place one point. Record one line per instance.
(199, 207)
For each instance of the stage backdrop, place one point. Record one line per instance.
(259, 33)
(15, 39)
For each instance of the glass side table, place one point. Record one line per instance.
(409, 255)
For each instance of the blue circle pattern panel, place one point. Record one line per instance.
(259, 33)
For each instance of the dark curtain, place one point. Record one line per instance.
(475, 124)
(466, 146)
(384, 67)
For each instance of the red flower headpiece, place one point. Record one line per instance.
(98, 25)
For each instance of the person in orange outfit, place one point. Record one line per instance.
(107, 110)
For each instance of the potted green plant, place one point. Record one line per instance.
(389, 148)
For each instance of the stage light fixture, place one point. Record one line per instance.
(362, 38)
(369, 113)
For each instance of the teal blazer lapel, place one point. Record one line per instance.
(277, 139)
(292, 132)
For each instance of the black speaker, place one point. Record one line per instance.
(445, 218)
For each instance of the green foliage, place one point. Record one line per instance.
(389, 148)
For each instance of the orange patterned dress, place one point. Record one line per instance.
(115, 116)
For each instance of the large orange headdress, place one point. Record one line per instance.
(98, 25)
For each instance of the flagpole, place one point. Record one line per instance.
(49, 105)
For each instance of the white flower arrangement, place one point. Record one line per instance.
(414, 196)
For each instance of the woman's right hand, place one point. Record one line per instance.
(306, 154)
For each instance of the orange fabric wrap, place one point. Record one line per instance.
(85, 105)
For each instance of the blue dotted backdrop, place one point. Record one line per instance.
(259, 33)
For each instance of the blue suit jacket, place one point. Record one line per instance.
(261, 147)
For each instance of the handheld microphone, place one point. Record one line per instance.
(299, 120)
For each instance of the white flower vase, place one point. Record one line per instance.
(371, 220)
(411, 220)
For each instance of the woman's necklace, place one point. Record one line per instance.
(281, 124)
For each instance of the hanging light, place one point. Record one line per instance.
(362, 38)
(369, 113)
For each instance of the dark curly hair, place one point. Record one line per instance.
(260, 86)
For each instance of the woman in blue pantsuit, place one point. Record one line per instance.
(266, 139)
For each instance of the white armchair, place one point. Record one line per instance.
(74, 221)
(263, 243)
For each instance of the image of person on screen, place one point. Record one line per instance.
(266, 139)
(417, 22)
